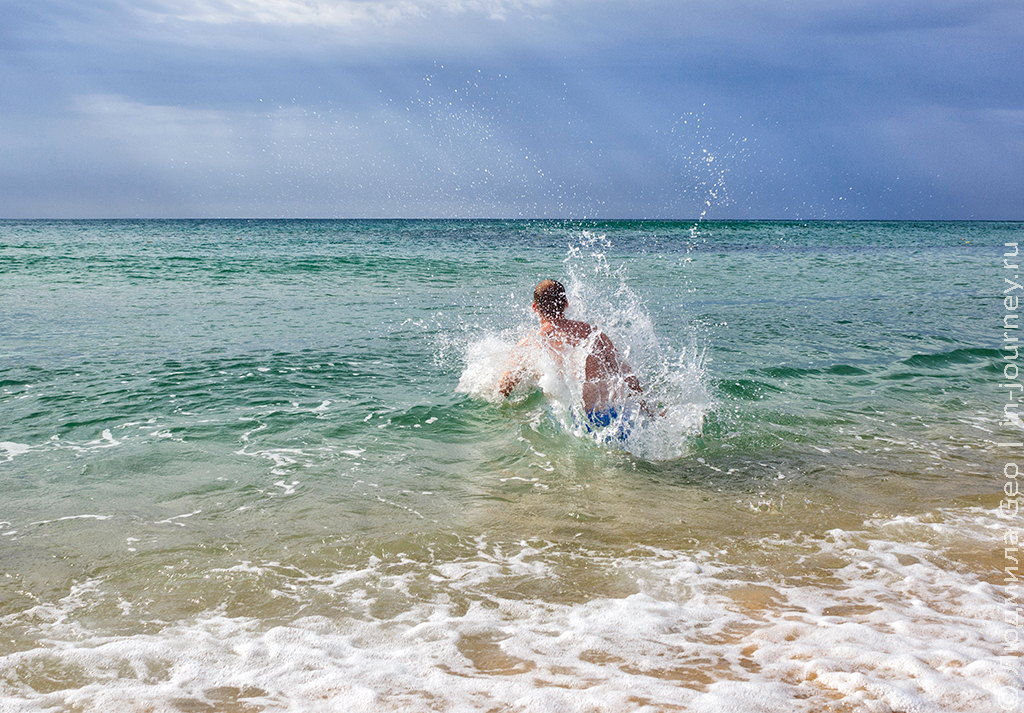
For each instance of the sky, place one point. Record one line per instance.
(657, 109)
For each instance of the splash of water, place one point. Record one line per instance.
(672, 375)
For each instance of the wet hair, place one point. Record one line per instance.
(549, 298)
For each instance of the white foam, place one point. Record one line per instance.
(287, 488)
(14, 449)
(323, 407)
(286, 460)
(891, 625)
(72, 517)
(174, 520)
(485, 364)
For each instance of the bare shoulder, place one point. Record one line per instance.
(604, 345)
(529, 341)
(580, 330)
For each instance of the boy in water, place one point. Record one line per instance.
(608, 383)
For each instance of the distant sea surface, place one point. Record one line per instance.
(262, 466)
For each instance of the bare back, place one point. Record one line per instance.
(581, 351)
(607, 380)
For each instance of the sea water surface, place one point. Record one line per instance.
(261, 466)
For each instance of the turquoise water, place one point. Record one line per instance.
(260, 465)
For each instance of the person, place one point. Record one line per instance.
(608, 384)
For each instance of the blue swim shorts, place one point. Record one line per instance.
(605, 418)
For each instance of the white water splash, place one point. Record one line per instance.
(598, 293)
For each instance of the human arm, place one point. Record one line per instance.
(516, 368)
(633, 383)
(509, 380)
(605, 364)
(611, 365)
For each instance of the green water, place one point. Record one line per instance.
(237, 473)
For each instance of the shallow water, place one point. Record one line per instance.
(237, 473)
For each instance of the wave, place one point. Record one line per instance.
(770, 380)
(896, 614)
(955, 357)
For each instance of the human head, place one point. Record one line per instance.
(549, 299)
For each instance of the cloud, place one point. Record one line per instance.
(329, 13)
(910, 16)
(114, 155)
(154, 133)
(444, 152)
(653, 108)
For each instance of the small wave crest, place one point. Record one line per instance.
(952, 358)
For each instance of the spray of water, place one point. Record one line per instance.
(672, 375)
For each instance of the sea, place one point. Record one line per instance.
(263, 465)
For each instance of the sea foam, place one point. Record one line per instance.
(892, 626)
